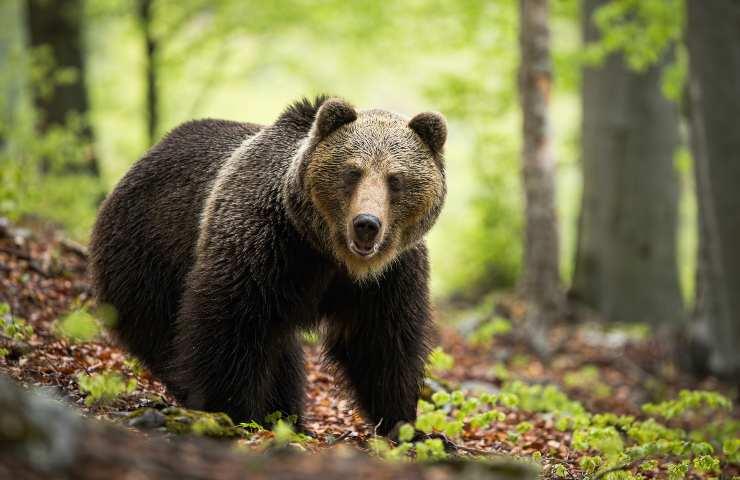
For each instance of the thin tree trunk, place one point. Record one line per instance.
(540, 283)
(713, 39)
(57, 25)
(13, 78)
(626, 263)
(145, 13)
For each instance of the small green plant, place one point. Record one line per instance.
(688, 401)
(14, 327)
(252, 426)
(439, 361)
(588, 377)
(104, 388)
(406, 433)
(276, 416)
(135, 365)
(589, 464)
(4, 352)
(284, 433)
(561, 471)
(78, 325)
(731, 449)
(485, 333)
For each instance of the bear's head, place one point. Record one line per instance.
(371, 183)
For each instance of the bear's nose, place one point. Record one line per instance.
(366, 228)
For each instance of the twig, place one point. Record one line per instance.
(74, 247)
(32, 264)
(341, 437)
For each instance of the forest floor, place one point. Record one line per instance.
(43, 278)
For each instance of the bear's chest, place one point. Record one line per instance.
(305, 279)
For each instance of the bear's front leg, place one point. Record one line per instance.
(234, 353)
(378, 336)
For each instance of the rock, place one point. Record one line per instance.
(476, 386)
(149, 419)
(37, 429)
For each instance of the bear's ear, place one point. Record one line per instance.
(432, 128)
(332, 114)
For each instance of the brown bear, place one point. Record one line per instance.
(227, 239)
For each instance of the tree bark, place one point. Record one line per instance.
(713, 40)
(13, 77)
(540, 283)
(57, 25)
(626, 261)
(151, 49)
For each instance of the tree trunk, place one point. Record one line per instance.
(13, 77)
(540, 283)
(57, 25)
(145, 13)
(626, 263)
(713, 39)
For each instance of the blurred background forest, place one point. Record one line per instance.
(88, 85)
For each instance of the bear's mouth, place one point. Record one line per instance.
(363, 251)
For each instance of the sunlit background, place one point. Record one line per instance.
(248, 60)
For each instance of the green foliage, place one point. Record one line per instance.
(283, 432)
(104, 388)
(4, 352)
(643, 30)
(277, 416)
(678, 471)
(251, 426)
(430, 449)
(688, 401)
(707, 464)
(441, 398)
(78, 325)
(135, 365)
(14, 327)
(439, 361)
(484, 334)
(588, 377)
(589, 464)
(731, 449)
(561, 471)
(406, 433)
(611, 443)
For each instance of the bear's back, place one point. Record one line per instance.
(159, 200)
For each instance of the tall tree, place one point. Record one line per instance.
(540, 283)
(144, 10)
(12, 78)
(56, 26)
(626, 264)
(713, 39)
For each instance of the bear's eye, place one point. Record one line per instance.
(351, 176)
(395, 183)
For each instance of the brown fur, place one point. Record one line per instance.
(227, 239)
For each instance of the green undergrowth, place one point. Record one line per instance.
(104, 388)
(611, 446)
(13, 327)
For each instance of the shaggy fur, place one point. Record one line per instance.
(227, 239)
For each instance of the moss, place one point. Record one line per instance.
(182, 421)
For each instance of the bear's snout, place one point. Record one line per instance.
(365, 228)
